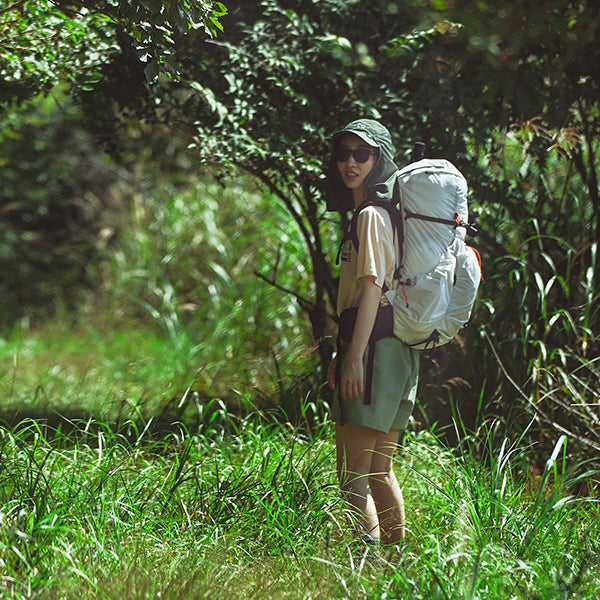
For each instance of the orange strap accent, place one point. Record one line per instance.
(404, 292)
(478, 259)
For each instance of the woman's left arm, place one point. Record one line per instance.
(351, 384)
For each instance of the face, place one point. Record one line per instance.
(353, 172)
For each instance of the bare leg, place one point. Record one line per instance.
(365, 471)
(354, 447)
(386, 492)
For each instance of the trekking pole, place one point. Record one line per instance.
(418, 152)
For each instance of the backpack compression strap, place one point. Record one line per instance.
(457, 222)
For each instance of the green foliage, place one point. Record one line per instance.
(296, 71)
(540, 311)
(177, 306)
(187, 262)
(499, 520)
(57, 207)
(94, 512)
(45, 42)
(293, 77)
(97, 368)
(266, 96)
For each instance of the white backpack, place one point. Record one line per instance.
(438, 275)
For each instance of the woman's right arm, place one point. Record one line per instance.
(351, 384)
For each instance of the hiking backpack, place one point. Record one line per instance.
(437, 273)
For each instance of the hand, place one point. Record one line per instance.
(351, 384)
(331, 373)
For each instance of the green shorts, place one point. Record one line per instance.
(393, 391)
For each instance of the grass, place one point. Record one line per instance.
(175, 305)
(249, 508)
(132, 369)
(235, 502)
(92, 368)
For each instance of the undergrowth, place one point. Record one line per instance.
(248, 507)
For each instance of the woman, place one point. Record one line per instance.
(375, 382)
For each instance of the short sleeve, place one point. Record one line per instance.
(376, 245)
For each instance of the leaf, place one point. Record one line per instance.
(151, 71)
(219, 9)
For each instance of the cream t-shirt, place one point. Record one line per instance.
(376, 256)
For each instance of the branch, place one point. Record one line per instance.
(323, 277)
(288, 204)
(303, 302)
(14, 6)
(547, 419)
(588, 172)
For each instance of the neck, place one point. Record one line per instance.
(359, 196)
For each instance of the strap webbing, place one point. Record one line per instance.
(411, 215)
(369, 374)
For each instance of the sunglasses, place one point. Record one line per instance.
(361, 155)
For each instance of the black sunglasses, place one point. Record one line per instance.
(361, 155)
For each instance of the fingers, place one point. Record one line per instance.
(351, 384)
(351, 388)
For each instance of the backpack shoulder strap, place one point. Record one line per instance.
(397, 226)
(391, 208)
(352, 231)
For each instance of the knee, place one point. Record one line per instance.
(350, 478)
(380, 480)
(354, 465)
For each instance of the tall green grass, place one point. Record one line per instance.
(177, 307)
(186, 262)
(248, 507)
(535, 335)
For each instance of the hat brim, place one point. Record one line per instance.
(363, 135)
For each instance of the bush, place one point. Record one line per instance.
(58, 206)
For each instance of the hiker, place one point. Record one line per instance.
(374, 382)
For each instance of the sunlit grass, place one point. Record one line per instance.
(86, 369)
(249, 508)
(177, 307)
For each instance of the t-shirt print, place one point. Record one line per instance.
(346, 251)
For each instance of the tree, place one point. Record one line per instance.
(288, 73)
(54, 183)
(292, 77)
(44, 42)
